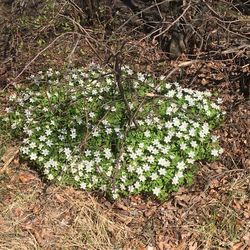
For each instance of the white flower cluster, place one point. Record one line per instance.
(75, 124)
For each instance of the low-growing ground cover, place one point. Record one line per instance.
(77, 129)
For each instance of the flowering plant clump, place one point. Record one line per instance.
(76, 128)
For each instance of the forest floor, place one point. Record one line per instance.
(212, 213)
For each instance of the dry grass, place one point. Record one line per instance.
(225, 219)
(32, 217)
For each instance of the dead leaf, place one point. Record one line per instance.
(204, 81)
(18, 212)
(8, 157)
(237, 246)
(150, 248)
(60, 198)
(26, 177)
(3, 226)
(164, 246)
(246, 238)
(121, 206)
(150, 212)
(192, 246)
(38, 237)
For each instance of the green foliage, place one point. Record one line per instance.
(76, 129)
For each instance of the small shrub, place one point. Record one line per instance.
(75, 127)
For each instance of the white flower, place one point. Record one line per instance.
(105, 122)
(175, 180)
(146, 167)
(147, 133)
(50, 177)
(131, 189)
(142, 178)
(117, 129)
(137, 185)
(139, 171)
(131, 168)
(183, 126)
(171, 93)
(33, 156)
(176, 122)
(108, 131)
(130, 72)
(194, 144)
(141, 77)
(133, 155)
(219, 100)
(163, 162)
(179, 134)
(169, 111)
(191, 154)
(156, 142)
(42, 138)
(77, 178)
(179, 174)
(122, 187)
(40, 158)
(61, 137)
(49, 143)
(214, 138)
(181, 165)
(150, 159)
(97, 159)
(73, 135)
(183, 146)
(48, 132)
(88, 168)
(215, 152)
(156, 191)
(150, 148)
(32, 145)
(87, 152)
(45, 152)
(202, 134)
(205, 128)
(107, 153)
(162, 171)
(115, 196)
(53, 163)
(154, 176)
(168, 124)
(83, 185)
(113, 109)
(67, 152)
(191, 132)
(168, 86)
(95, 133)
(29, 132)
(196, 124)
(165, 150)
(155, 151)
(191, 161)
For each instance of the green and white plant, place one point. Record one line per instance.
(76, 128)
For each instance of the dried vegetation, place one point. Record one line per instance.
(213, 213)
